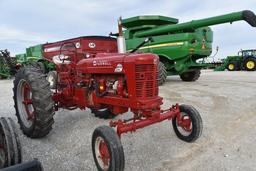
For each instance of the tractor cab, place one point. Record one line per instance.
(247, 53)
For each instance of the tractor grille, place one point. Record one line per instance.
(146, 80)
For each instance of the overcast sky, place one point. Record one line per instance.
(25, 23)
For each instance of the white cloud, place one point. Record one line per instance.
(13, 34)
(30, 22)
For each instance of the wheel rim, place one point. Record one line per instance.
(184, 124)
(231, 66)
(250, 64)
(25, 103)
(102, 153)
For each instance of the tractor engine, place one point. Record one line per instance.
(113, 81)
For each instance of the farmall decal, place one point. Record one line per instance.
(101, 63)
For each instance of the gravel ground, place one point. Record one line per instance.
(226, 101)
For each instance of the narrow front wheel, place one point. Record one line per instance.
(188, 125)
(107, 149)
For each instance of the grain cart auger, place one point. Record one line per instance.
(178, 45)
(107, 83)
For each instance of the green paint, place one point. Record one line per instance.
(179, 46)
(238, 59)
(34, 54)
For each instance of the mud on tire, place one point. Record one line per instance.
(33, 102)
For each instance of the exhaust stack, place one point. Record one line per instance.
(120, 39)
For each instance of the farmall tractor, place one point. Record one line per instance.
(109, 84)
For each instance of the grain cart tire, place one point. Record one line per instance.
(162, 74)
(103, 113)
(107, 149)
(52, 79)
(232, 66)
(250, 64)
(10, 149)
(191, 126)
(41, 66)
(33, 102)
(190, 76)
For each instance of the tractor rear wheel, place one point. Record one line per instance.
(103, 113)
(190, 76)
(189, 126)
(33, 102)
(250, 64)
(162, 73)
(107, 149)
(232, 66)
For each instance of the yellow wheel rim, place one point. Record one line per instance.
(231, 66)
(250, 64)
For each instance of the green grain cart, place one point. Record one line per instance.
(34, 56)
(245, 60)
(179, 45)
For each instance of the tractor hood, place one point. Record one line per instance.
(106, 63)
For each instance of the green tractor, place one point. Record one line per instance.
(179, 45)
(245, 60)
(34, 56)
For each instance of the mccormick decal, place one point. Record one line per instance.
(101, 63)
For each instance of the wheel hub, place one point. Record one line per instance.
(102, 153)
(231, 66)
(250, 64)
(25, 103)
(184, 124)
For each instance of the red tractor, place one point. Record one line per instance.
(108, 84)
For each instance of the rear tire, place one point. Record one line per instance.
(33, 102)
(162, 74)
(190, 76)
(250, 64)
(191, 126)
(103, 113)
(107, 149)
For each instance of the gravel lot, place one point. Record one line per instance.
(226, 101)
